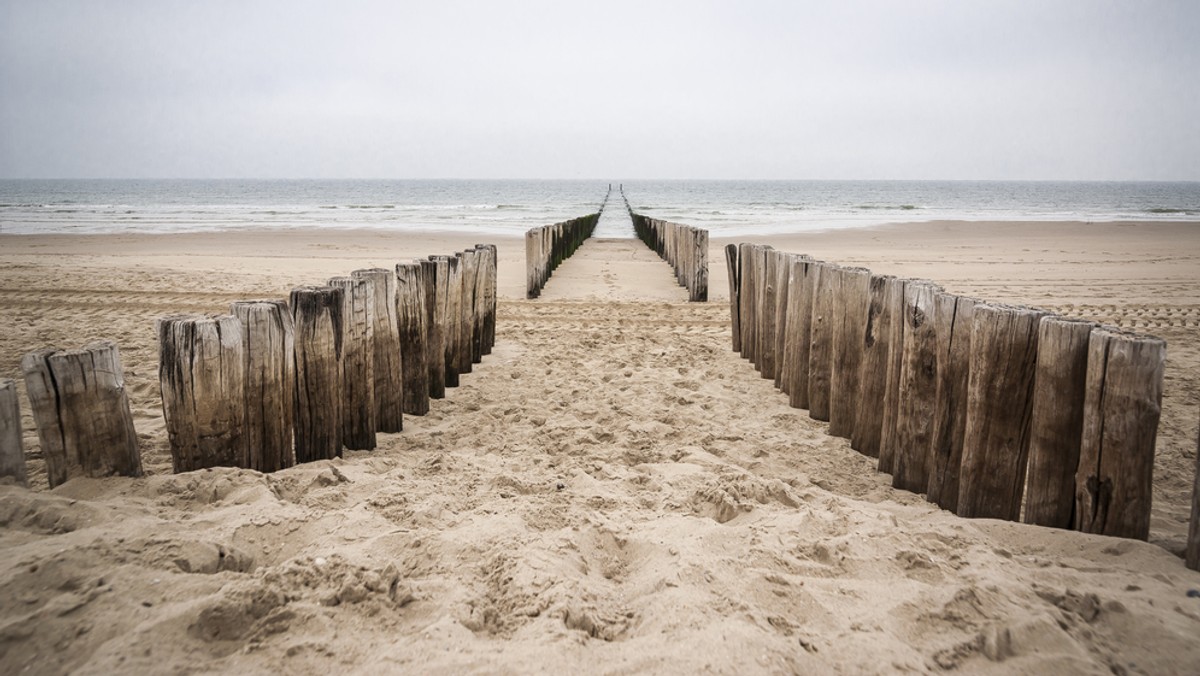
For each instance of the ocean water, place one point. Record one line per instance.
(726, 208)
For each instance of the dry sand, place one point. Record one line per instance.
(612, 490)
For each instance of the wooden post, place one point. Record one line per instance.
(999, 403)
(768, 263)
(81, 409)
(731, 265)
(820, 354)
(12, 449)
(783, 270)
(358, 362)
(746, 299)
(1057, 425)
(918, 390)
(387, 368)
(893, 307)
(849, 328)
(410, 314)
(318, 324)
(1114, 482)
(799, 330)
(872, 381)
(454, 296)
(1192, 555)
(468, 264)
(533, 240)
(436, 273)
(698, 290)
(952, 318)
(489, 328)
(478, 301)
(268, 346)
(202, 373)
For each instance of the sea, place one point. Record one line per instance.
(725, 208)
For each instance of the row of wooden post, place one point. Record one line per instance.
(683, 247)
(991, 410)
(273, 383)
(549, 245)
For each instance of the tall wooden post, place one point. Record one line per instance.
(999, 405)
(872, 382)
(893, 300)
(468, 264)
(952, 318)
(202, 372)
(765, 333)
(317, 318)
(478, 302)
(849, 328)
(268, 341)
(746, 298)
(387, 367)
(533, 258)
(358, 362)
(918, 390)
(731, 265)
(436, 273)
(1056, 429)
(489, 326)
(81, 409)
(799, 329)
(698, 289)
(820, 355)
(410, 314)
(12, 449)
(1192, 555)
(1114, 482)
(783, 270)
(454, 320)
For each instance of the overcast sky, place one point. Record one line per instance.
(1071, 89)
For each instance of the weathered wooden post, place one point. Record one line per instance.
(820, 354)
(849, 327)
(318, 325)
(436, 273)
(358, 362)
(454, 320)
(731, 265)
(387, 367)
(952, 318)
(698, 289)
(1056, 429)
(12, 449)
(478, 311)
(81, 409)
(1114, 482)
(999, 404)
(768, 262)
(746, 299)
(872, 381)
(202, 372)
(410, 315)
(268, 346)
(1192, 555)
(489, 326)
(918, 389)
(799, 330)
(533, 257)
(468, 264)
(893, 301)
(783, 270)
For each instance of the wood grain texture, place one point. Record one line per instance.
(849, 329)
(952, 317)
(358, 362)
(318, 329)
(918, 389)
(872, 383)
(820, 355)
(783, 268)
(436, 273)
(387, 368)
(12, 446)
(411, 309)
(799, 341)
(268, 346)
(731, 265)
(893, 305)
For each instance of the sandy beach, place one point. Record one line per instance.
(613, 490)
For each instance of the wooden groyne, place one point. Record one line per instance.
(684, 247)
(546, 247)
(990, 410)
(273, 383)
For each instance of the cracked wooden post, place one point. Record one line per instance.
(410, 317)
(918, 389)
(849, 328)
(1114, 482)
(698, 288)
(436, 273)
(489, 297)
(768, 264)
(893, 305)
(478, 302)
(468, 263)
(799, 329)
(386, 365)
(1056, 429)
(453, 326)
(746, 299)
(999, 405)
(358, 362)
(731, 265)
(81, 409)
(783, 269)
(268, 343)
(12, 449)
(1192, 554)
(952, 317)
(820, 354)
(317, 321)
(872, 382)
(202, 372)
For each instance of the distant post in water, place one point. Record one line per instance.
(1057, 426)
(952, 317)
(81, 409)
(317, 318)
(1113, 484)
(999, 404)
(918, 389)
(410, 314)
(269, 350)
(358, 362)
(385, 351)
(12, 449)
(202, 372)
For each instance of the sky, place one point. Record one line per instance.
(851, 89)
